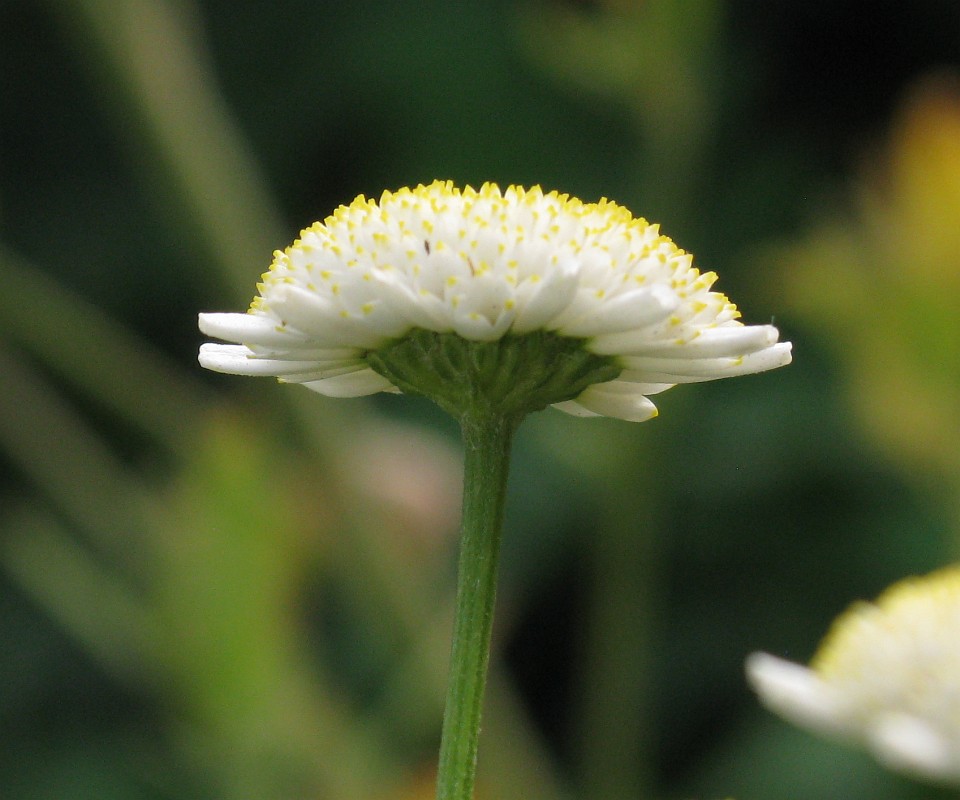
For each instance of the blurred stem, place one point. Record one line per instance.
(45, 437)
(123, 372)
(615, 733)
(516, 762)
(150, 59)
(486, 437)
(614, 714)
(94, 605)
(653, 59)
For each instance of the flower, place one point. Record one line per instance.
(886, 676)
(490, 268)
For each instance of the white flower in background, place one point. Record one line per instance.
(887, 676)
(491, 266)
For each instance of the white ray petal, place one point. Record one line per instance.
(691, 370)
(353, 384)
(236, 359)
(321, 319)
(540, 300)
(906, 742)
(419, 307)
(247, 329)
(601, 316)
(617, 399)
(795, 691)
(575, 409)
(642, 386)
(727, 341)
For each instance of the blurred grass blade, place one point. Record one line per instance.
(611, 708)
(149, 58)
(651, 58)
(47, 439)
(514, 760)
(244, 530)
(614, 712)
(101, 613)
(122, 372)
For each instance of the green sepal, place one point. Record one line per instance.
(510, 377)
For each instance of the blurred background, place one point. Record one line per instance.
(215, 588)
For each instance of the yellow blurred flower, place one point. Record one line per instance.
(883, 285)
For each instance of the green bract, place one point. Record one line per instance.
(512, 376)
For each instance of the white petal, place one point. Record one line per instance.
(777, 356)
(478, 328)
(236, 359)
(539, 301)
(354, 384)
(692, 370)
(307, 353)
(729, 341)
(618, 399)
(795, 692)
(574, 408)
(641, 386)
(481, 313)
(361, 301)
(322, 320)
(247, 329)
(597, 316)
(421, 309)
(905, 742)
(323, 371)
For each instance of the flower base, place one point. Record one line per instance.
(512, 376)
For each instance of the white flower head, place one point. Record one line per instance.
(490, 266)
(887, 676)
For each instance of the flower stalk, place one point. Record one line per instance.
(487, 436)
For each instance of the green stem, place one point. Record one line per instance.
(486, 438)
